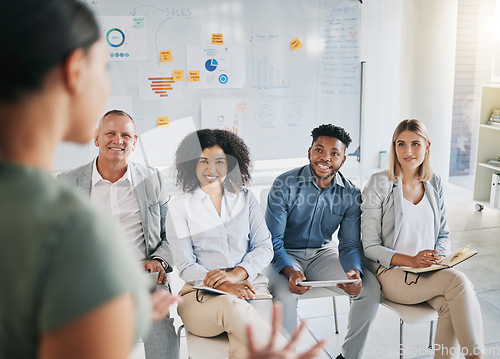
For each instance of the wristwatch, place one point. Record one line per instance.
(162, 262)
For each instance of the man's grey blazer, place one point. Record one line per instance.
(150, 192)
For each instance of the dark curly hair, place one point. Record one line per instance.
(237, 154)
(331, 131)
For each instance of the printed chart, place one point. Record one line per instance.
(125, 37)
(156, 84)
(219, 66)
(223, 113)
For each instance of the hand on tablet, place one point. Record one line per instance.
(154, 266)
(352, 288)
(326, 283)
(293, 283)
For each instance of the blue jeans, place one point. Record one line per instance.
(324, 264)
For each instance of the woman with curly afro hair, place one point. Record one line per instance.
(219, 239)
(238, 158)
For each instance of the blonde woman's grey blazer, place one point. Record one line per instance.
(382, 214)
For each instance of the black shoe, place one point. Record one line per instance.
(340, 357)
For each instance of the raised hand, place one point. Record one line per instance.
(288, 352)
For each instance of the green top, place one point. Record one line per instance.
(59, 260)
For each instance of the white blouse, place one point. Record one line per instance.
(417, 227)
(201, 240)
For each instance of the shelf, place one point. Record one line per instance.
(485, 165)
(490, 127)
(488, 144)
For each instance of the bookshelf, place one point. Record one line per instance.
(488, 144)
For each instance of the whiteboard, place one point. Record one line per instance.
(259, 86)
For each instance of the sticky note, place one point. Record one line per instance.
(194, 76)
(178, 75)
(166, 56)
(295, 44)
(139, 22)
(162, 121)
(217, 39)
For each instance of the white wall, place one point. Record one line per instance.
(427, 77)
(381, 27)
(409, 47)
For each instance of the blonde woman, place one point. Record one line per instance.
(403, 224)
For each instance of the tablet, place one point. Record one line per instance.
(152, 280)
(326, 283)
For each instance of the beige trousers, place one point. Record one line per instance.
(216, 314)
(452, 295)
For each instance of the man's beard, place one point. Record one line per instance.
(324, 177)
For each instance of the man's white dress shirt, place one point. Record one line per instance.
(120, 200)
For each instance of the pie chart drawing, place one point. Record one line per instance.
(211, 64)
(292, 114)
(265, 115)
(223, 78)
(115, 37)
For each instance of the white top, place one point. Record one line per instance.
(201, 240)
(120, 201)
(417, 227)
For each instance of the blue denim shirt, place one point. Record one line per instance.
(301, 215)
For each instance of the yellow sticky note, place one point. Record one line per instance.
(194, 76)
(295, 44)
(166, 56)
(162, 121)
(178, 75)
(217, 39)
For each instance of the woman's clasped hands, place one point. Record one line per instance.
(426, 258)
(230, 282)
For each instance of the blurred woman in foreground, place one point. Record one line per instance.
(70, 289)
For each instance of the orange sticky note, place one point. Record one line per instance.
(194, 76)
(178, 75)
(162, 121)
(166, 56)
(295, 44)
(217, 39)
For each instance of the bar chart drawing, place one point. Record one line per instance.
(161, 85)
(267, 77)
(157, 84)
